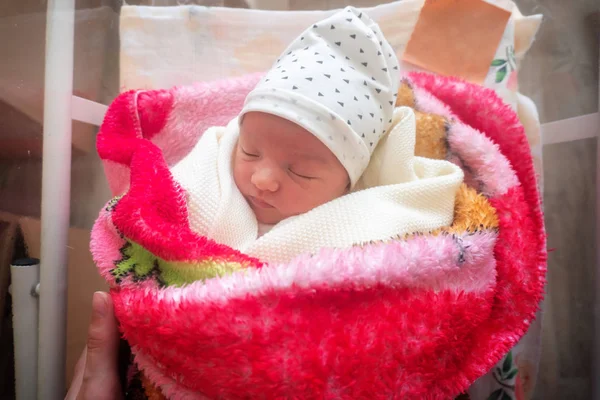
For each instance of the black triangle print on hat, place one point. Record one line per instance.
(309, 79)
(362, 51)
(372, 115)
(320, 62)
(353, 36)
(355, 99)
(332, 56)
(294, 87)
(321, 94)
(378, 90)
(338, 43)
(337, 91)
(332, 27)
(384, 69)
(342, 69)
(327, 75)
(365, 64)
(285, 77)
(346, 80)
(301, 67)
(359, 116)
(368, 97)
(340, 103)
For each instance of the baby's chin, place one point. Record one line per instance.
(272, 218)
(269, 216)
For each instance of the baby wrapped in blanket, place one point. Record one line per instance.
(319, 156)
(312, 285)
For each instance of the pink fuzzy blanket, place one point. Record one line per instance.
(415, 317)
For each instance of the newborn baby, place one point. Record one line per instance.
(308, 129)
(283, 178)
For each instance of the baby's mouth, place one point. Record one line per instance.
(258, 202)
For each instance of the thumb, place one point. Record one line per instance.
(100, 376)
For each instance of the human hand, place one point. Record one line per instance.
(96, 373)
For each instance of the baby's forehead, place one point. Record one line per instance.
(299, 148)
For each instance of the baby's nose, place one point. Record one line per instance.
(265, 180)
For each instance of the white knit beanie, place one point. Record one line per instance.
(338, 80)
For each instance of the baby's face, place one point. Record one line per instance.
(283, 170)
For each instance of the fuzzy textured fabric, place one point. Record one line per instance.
(421, 316)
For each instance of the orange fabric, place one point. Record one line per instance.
(152, 392)
(457, 38)
(431, 138)
(406, 97)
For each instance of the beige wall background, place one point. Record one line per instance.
(560, 74)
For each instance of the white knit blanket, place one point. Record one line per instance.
(398, 194)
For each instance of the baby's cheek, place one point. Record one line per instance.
(319, 197)
(239, 176)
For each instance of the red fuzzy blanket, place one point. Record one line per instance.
(417, 317)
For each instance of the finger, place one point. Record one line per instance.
(100, 376)
(77, 377)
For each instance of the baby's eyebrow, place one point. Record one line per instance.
(311, 157)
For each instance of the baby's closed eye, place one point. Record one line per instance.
(302, 174)
(248, 153)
